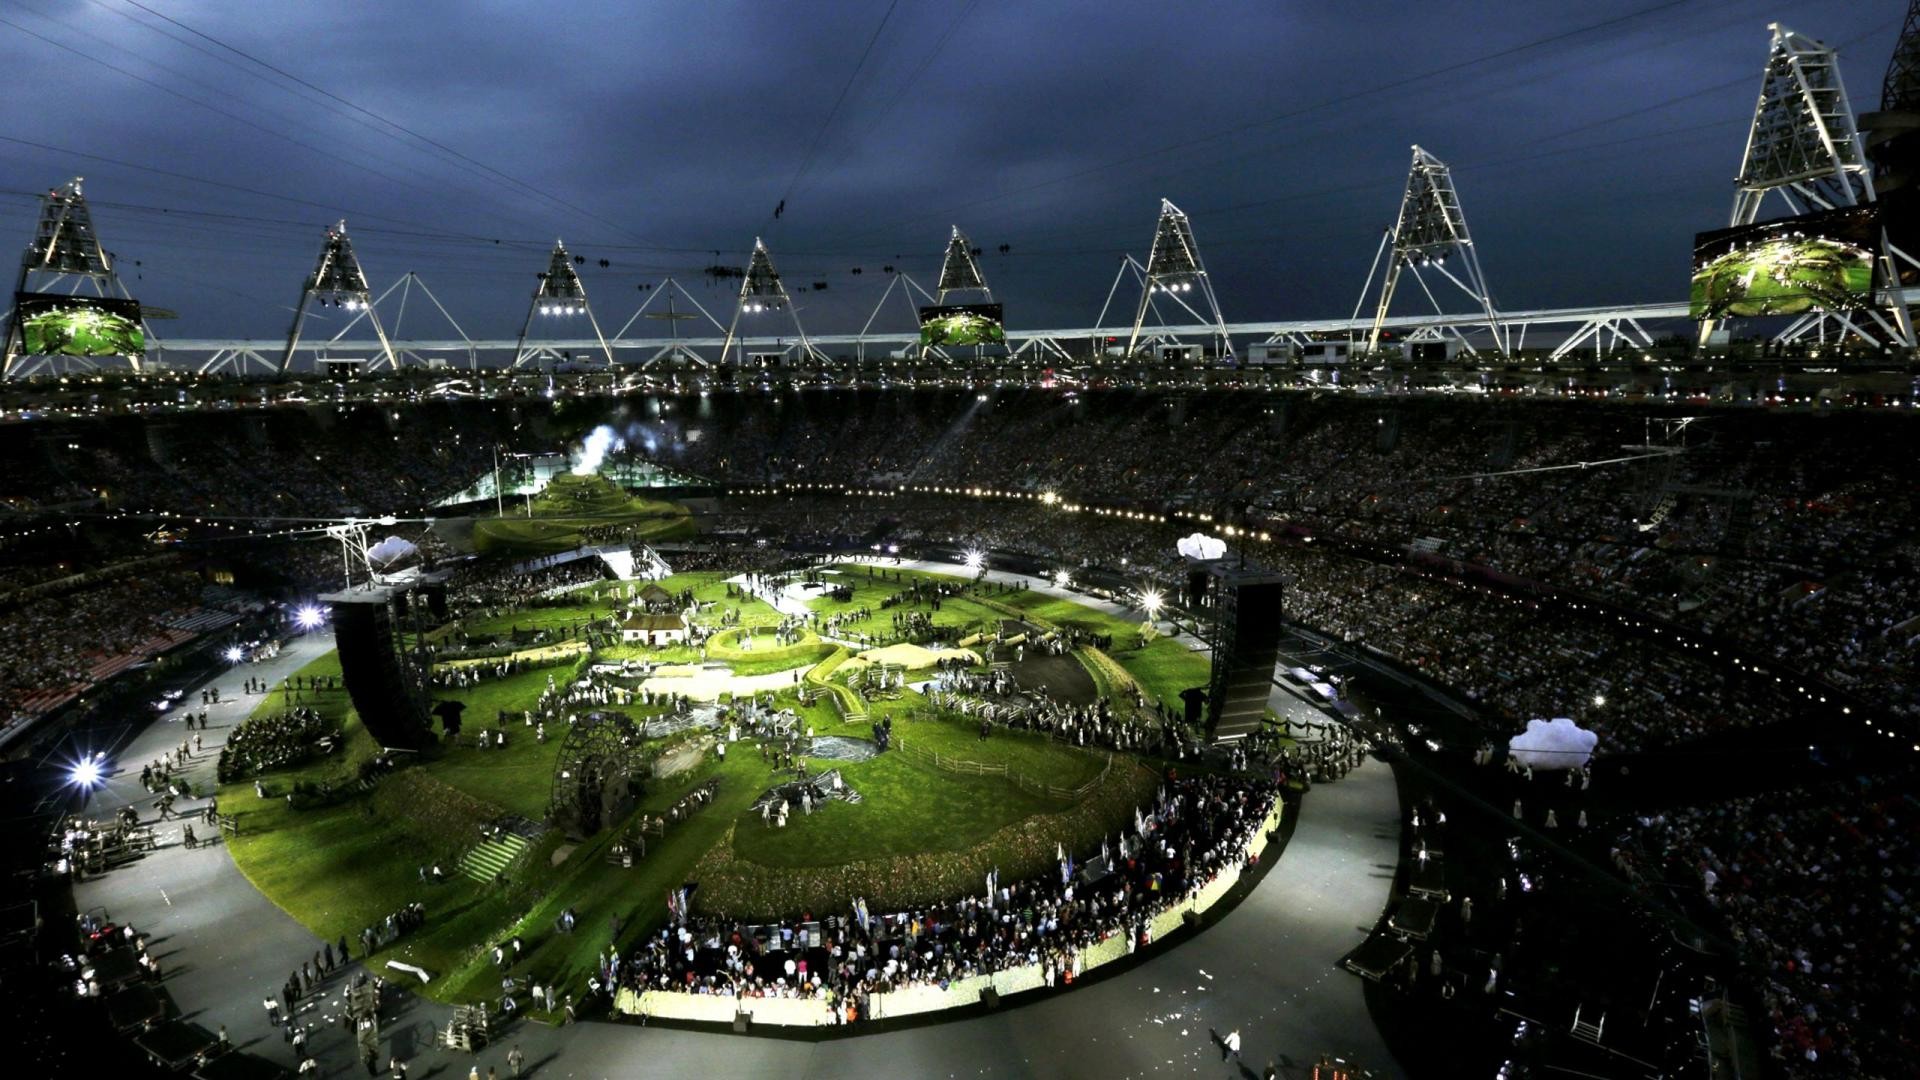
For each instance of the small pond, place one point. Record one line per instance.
(842, 748)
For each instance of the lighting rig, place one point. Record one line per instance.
(560, 294)
(338, 282)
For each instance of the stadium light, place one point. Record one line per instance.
(86, 773)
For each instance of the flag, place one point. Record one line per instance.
(860, 911)
(993, 885)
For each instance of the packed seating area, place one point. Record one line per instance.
(61, 644)
(1816, 886)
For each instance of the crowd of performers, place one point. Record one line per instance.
(284, 739)
(1196, 828)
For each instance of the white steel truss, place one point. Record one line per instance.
(1430, 229)
(908, 287)
(337, 281)
(672, 349)
(64, 249)
(1174, 269)
(1803, 145)
(762, 291)
(404, 286)
(560, 294)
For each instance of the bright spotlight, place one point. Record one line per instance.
(1599, 701)
(1152, 601)
(308, 617)
(234, 654)
(975, 559)
(85, 773)
(1061, 577)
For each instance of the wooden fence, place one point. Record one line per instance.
(1032, 785)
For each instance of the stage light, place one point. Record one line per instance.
(308, 617)
(234, 654)
(1061, 577)
(974, 559)
(85, 773)
(1151, 600)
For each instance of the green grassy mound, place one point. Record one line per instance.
(576, 510)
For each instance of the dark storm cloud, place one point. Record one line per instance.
(656, 134)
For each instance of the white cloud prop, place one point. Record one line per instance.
(1202, 546)
(390, 551)
(1553, 744)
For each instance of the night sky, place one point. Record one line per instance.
(654, 134)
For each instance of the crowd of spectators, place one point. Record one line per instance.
(1817, 887)
(59, 645)
(1196, 829)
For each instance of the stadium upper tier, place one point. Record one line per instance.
(1792, 535)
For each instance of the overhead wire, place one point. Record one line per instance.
(813, 146)
(525, 187)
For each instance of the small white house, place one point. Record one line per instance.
(654, 630)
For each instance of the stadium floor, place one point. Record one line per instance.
(1267, 969)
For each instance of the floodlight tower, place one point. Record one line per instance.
(560, 293)
(960, 272)
(762, 291)
(1803, 144)
(1431, 228)
(1173, 270)
(337, 281)
(64, 246)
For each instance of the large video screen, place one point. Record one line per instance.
(1815, 262)
(56, 325)
(962, 324)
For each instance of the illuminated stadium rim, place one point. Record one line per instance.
(1277, 330)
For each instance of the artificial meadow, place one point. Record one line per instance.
(341, 840)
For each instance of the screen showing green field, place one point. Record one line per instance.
(1815, 262)
(962, 324)
(55, 325)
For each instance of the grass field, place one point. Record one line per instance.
(921, 831)
(1163, 668)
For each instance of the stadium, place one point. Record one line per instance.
(1452, 688)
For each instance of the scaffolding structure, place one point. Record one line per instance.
(338, 282)
(64, 252)
(762, 292)
(1804, 148)
(1430, 229)
(560, 294)
(960, 270)
(1174, 270)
